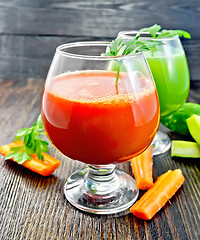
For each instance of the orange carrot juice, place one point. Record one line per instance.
(88, 119)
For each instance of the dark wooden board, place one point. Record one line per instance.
(34, 207)
(23, 57)
(31, 30)
(96, 18)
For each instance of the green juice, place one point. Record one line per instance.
(171, 76)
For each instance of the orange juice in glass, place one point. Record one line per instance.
(90, 118)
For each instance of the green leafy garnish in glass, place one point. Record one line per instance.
(156, 33)
(119, 47)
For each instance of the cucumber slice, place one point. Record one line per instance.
(177, 121)
(193, 124)
(185, 149)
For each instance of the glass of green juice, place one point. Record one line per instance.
(170, 71)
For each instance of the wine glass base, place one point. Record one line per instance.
(161, 143)
(121, 194)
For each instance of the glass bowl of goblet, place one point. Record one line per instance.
(170, 71)
(100, 117)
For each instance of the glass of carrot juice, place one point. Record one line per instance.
(92, 118)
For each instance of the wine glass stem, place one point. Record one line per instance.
(101, 179)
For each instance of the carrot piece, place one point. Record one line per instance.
(156, 197)
(44, 168)
(142, 169)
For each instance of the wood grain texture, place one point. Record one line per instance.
(23, 57)
(31, 30)
(95, 18)
(34, 207)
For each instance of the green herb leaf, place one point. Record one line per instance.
(183, 33)
(152, 30)
(166, 34)
(114, 48)
(119, 47)
(20, 154)
(171, 33)
(32, 143)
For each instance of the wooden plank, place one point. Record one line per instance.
(96, 18)
(34, 207)
(23, 57)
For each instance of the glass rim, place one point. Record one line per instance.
(60, 49)
(126, 33)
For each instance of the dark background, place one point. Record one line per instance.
(30, 30)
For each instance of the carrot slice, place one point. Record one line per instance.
(142, 169)
(156, 197)
(44, 168)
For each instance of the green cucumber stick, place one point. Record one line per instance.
(177, 121)
(193, 124)
(185, 149)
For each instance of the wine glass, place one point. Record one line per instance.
(91, 118)
(170, 71)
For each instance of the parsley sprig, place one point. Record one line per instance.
(156, 33)
(32, 143)
(135, 45)
(119, 47)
